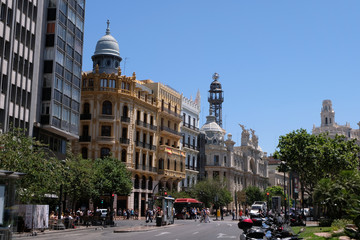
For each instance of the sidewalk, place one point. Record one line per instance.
(120, 226)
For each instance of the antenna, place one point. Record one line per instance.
(125, 59)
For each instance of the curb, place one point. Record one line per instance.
(143, 228)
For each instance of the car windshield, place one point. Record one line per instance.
(255, 207)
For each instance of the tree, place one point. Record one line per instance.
(111, 176)
(20, 153)
(315, 157)
(79, 184)
(212, 192)
(338, 195)
(253, 194)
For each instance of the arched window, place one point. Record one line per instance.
(123, 155)
(84, 153)
(168, 164)
(143, 182)
(104, 152)
(86, 108)
(107, 108)
(326, 121)
(174, 165)
(150, 183)
(136, 182)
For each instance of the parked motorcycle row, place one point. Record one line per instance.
(271, 227)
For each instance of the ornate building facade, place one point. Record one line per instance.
(190, 132)
(135, 121)
(328, 124)
(240, 166)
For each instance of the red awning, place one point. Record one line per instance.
(186, 200)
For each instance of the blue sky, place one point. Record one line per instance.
(277, 60)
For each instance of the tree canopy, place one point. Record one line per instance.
(314, 157)
(253, 194)
(20, 153)
(111, 176)
(212, 192)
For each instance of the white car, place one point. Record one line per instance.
(255, 208)
(103, 212)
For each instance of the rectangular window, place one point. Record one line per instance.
(62, 18)
(103, 83)
(45, 108)
(63, 6)
(70, 38)
(48, 66)
(58, 83)
(59, 69)
(71, 15)
(74, 118)
(61, 32)
(51, 14)
(56, 111)
(67, 89)
(77, 70)
(65, 115)
(76, 94)
(50, 40)
(59, 57)
(106, 131)
(61, 44)
(50, 28)
(69, 64)
(112, 83)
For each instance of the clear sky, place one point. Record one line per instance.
(277, 60)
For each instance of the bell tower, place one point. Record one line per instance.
(327, 114)
(215, 99)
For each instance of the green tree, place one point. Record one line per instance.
(338, 195)
(253, 194)
(315, 157)
(20, 153)
(212, 192)
(111, 176)
(79, 175)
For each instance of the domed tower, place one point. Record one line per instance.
(107, 55)
(215, 99)
(327, 114)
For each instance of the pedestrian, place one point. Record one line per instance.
(233, 214)
(246, 212)
(240, 212)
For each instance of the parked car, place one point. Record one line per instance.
(255, 208)
(103, 212)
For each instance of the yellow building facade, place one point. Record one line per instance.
(135, 121)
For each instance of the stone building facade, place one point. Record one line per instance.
(190, 132)
(328, 124)
(135, 121)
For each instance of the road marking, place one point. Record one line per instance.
(229, 224)
(199, 224)
(223, 235)
(163, 233)
(195, 232)
(218, 224)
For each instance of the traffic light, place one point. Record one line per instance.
(267, 193)
(102, 201)
(113, 195)
(165, 193)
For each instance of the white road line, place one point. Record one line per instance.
(195, 232)
(163, 233)
(223, 235)
(229, 224)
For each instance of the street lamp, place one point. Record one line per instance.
(60, 225)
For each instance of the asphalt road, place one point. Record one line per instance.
(181, 230)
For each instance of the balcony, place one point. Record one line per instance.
(152, 127)
(166, 110)
(139, 144)
(141, 123)
(85, 139)
(124, 141)
(145, 168)
(167, 129)
(85, 116)
(189, 126)
(105, 139)
(106, 117)
(125, 119)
